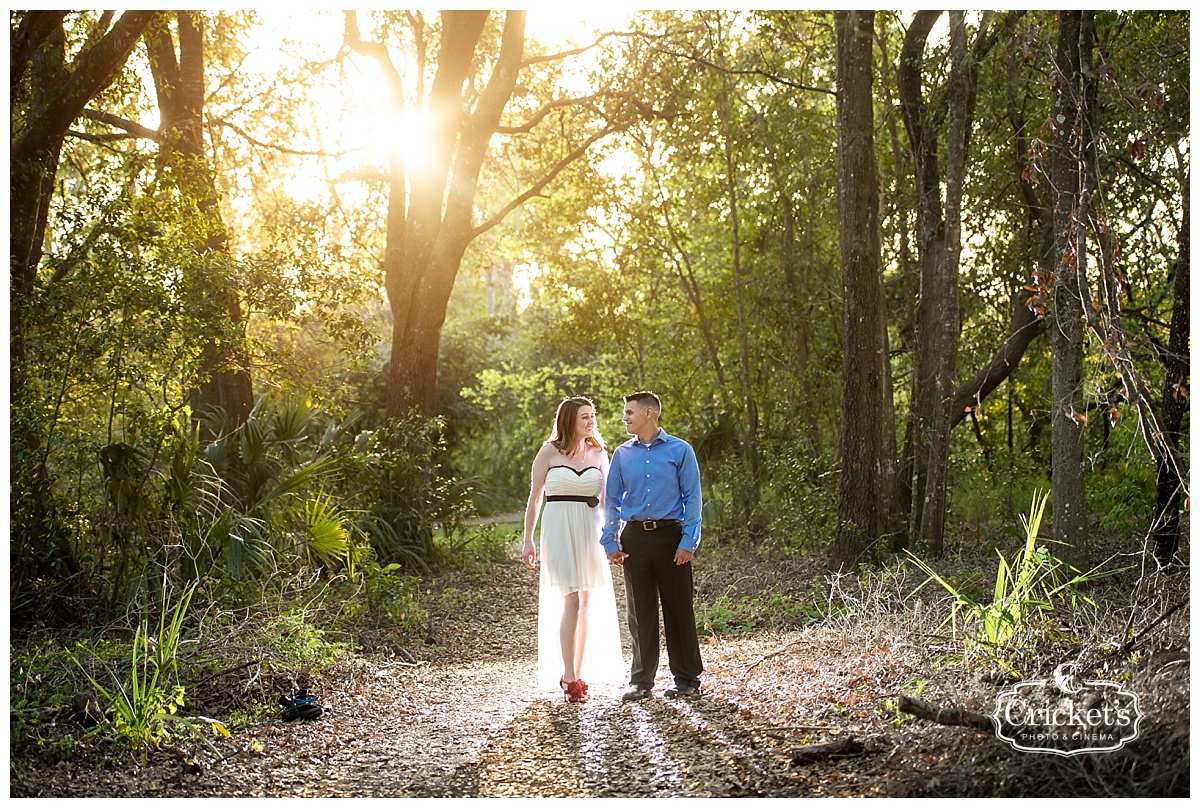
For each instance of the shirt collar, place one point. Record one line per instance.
(661, 437)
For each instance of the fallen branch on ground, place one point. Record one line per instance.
(844, 747)
(950, 716)
(219, 674)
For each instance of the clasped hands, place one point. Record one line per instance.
(617, 559)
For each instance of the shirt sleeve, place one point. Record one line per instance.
(693, 506)
(614, 490)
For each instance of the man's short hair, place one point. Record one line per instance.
(645, 399)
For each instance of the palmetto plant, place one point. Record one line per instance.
(1033, 584)
(326, 538)
(244, 499)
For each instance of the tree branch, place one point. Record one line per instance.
(373, 50)
(950, 716)
(554, 57)
(131, 129)
(264, 145)
(93, 71)
(34, 29)
(549, 107)
(538, 186)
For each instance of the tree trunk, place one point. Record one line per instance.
(902, 487)
(936, 333)
(1067, 435)
(224, 377)
(1027, 324)
(863, 489)
(749, 443)
(42, 112)
(429, 230)
(1175, 400)
(943, 340)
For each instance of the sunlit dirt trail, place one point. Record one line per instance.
(473, 725)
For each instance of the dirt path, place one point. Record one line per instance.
(479, 728)
(472, 725)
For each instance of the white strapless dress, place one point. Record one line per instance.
(572, 560)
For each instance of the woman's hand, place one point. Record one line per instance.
(528, 554)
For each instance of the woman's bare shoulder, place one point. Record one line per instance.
(546, 450)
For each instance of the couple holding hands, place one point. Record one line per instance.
(640, 512)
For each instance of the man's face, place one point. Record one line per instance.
(636, 418)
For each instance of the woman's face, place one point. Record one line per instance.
(585, 422)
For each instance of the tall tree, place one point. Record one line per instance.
(1174, 402)
(865, 478)
(925, 462)
(1067, 169)
(431, 205)
(47, 94)
(1027, 322)
(179, 80)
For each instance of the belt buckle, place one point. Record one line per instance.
(650, 524)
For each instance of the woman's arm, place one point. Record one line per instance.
(537, 486)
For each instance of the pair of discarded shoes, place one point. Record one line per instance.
(299, 705)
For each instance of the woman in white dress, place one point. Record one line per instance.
(577, 612)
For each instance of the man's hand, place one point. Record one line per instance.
(617, 558)
(682, 556)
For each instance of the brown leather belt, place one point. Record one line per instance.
(655, 524)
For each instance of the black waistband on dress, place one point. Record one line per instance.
(591, 501)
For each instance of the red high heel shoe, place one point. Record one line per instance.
(576, 691)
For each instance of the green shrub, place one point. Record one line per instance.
(727, 616)
(144, 702)
(1033, 586)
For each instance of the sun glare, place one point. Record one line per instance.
(409, 134)
(560, 25)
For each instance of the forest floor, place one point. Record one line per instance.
(467, 721)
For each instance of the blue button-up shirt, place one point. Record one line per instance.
(655, 480)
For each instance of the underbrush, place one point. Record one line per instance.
(223, 655)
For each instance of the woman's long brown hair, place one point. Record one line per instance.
(563, 437)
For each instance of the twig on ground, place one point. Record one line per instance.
(1129, 646)
(404, 664)
(795, 728)
(771, 655)
(1157, 622)
(219, 674)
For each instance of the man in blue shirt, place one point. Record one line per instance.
(654, 488)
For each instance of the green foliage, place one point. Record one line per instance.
(891, 707)
(796, 499)
(388, 597)
(396, 488)
(1123, 497)
(1008, 627)
(144, 703)
(480, 546)
(727, 616)
(513, 412)
(326, 539)
(298, 643)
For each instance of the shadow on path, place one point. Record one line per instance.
(608, 748)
